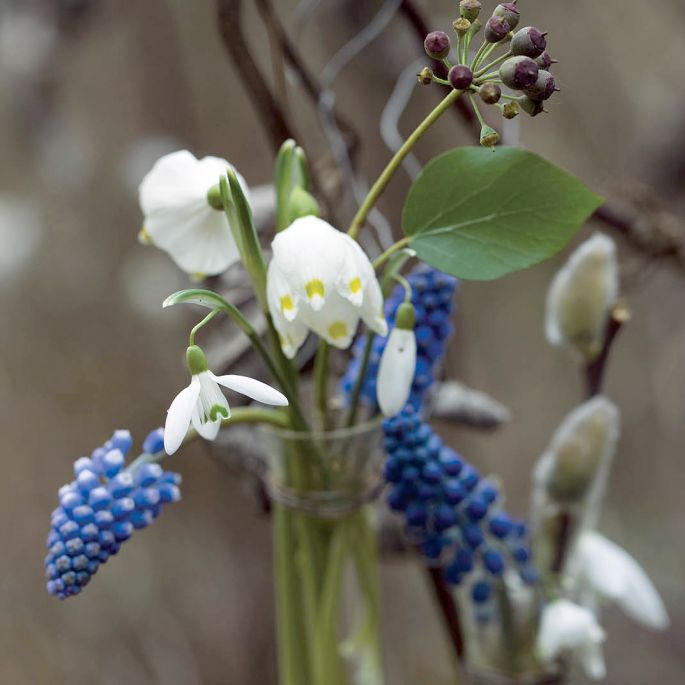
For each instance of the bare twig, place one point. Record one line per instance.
(448, 608)
(595, 370)
(273, 119)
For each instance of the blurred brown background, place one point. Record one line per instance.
(91, 93)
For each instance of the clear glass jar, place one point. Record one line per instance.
(322, 485)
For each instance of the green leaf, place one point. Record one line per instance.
(479, 215)
(206, 298)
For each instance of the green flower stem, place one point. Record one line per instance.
(321, 382)
(487, 77)
(365, 556)
(476, 110)
(293, 665)
(197, 327)
(329, 667)
(480, 54)
(394, 164)
(492, 64)
(441, 81)
(399, 245)
(356, 391)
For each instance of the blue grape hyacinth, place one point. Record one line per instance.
(451, 513)
(433, 300)
(101, 508)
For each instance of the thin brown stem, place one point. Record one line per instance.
(595, 370)
(448, 608)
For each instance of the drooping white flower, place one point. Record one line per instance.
(566, 627)
(204, 405)
(179, 217)
(608, 572)
(398, 363)
(582, 295)
(319, 279)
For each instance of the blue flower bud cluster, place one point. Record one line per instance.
(102, 507)
(433, 300)
(452, 514)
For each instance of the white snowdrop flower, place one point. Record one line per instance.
(608, 572)
(183, 212)
(319, 279)
(398, 363)
(579, 456)
(566, 627)
(203, 404)
(582, 295)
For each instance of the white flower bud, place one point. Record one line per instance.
(579, 456)
(582, 295)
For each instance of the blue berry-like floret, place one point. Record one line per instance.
(433, 300)
(452, 514)
(101, 508)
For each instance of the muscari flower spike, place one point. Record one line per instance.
(451, 512)
(433, 302)
(184, 215)
(101, 508)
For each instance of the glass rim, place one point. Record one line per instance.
(345, 432)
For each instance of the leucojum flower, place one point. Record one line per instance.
(204, 405)
(184, 215)
(320, 279)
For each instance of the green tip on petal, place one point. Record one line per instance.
(406, 317)
(214, 198)
(196, 360)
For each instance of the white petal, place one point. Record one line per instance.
(261, 392)
(396, 371)
(208, 430)
(356, 271)
(372, 308)
(168, 183)
(310, 254)
(613, 574)
(336, 323)
(179, 416)
(282, 298)
(566, 626)
(291, 333)
(591, 657)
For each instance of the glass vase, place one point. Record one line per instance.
(500, 642)
(322, 486)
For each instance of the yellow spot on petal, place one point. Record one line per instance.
(355, 285)
(286, 303)
(337, 330)
(144, 238)
(314, 288)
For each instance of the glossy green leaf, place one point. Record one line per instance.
(479, 214)
(206, 298)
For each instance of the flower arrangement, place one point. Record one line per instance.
(335, 447)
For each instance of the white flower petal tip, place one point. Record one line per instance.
(567, 627)
(611, 573)
(321, 280)
(582, 295)
(396, 371)
(179, 416)
(256, 390)
(178, 217)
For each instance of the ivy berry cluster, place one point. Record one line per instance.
(524, 66)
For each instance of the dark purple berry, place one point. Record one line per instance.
(543, 88)
(461, 77)
(531, 107)
(509, 12)
(544, 61)
(519, 72)
(529, 42)
(437, 45)
(496, 29)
